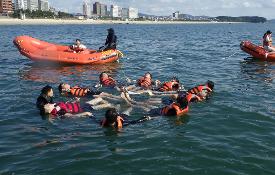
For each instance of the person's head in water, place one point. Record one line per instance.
(111, 31)
(78, 42)
(64, 87)
(210, 84)
(268, 32)
(47, 91)
(148, 75)
(183, 102)
(111, 116)
(103, 76)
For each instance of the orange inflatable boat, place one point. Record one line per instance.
(38, 50)
(257, 51)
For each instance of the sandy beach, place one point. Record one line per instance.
(11, 21)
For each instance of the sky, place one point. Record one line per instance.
(213, 8)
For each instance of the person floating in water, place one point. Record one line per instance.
(68, 109)
(267, 42)
(78, 47)
(45, 97)
(111, 41)
(76, 91)
(203, 91)
(116, 120)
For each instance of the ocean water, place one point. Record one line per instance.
(231, 133)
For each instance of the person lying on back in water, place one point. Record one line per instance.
(76, 91)
(68, 109)
(267, 42)
(118, 121)
(203, 91)
(78, 47)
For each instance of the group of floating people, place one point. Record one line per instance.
(167, 98)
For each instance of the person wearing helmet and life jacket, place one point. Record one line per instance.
(76, 91)
(267, 42)
(118, 121)
(68, 109)
(172, 85)
(145, 81)
(78, 47)
(202, 91)
(106, 80)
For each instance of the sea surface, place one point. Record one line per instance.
(231, 133)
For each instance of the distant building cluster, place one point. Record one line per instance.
(32, 5)
(178, 16)
(97, 9)
(9, 6)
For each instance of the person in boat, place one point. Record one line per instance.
(68, 109)
(45, 97)
(78, 46)
(267, 42)
(66, 89)
(118, 121)
(111, 41)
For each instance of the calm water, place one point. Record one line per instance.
(232, 133)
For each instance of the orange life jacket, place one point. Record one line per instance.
(179, 111)
(190, 97)
(196, 90)
(169, 86)
(108, 82)
(144, 82)
(79, 92)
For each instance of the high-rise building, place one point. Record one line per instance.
(32, 4)
(125, 13)
(43, 5)
(103, 10)
(116, 11)
(21, 4)
(96, 8)
(175, 15)
(6, 6)
(99, 9)
(133, 13)
(87, 10)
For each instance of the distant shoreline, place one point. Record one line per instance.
(90, 21)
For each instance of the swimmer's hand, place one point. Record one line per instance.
(98, 85)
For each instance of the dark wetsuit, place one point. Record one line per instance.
(42, 100)
(110, 41)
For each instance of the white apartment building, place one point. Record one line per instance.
(133, 13)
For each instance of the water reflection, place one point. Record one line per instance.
(258, 70)
(55, 73)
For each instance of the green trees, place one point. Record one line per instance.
(253, 19)
(41, 14)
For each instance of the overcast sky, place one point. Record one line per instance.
(264, 8)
